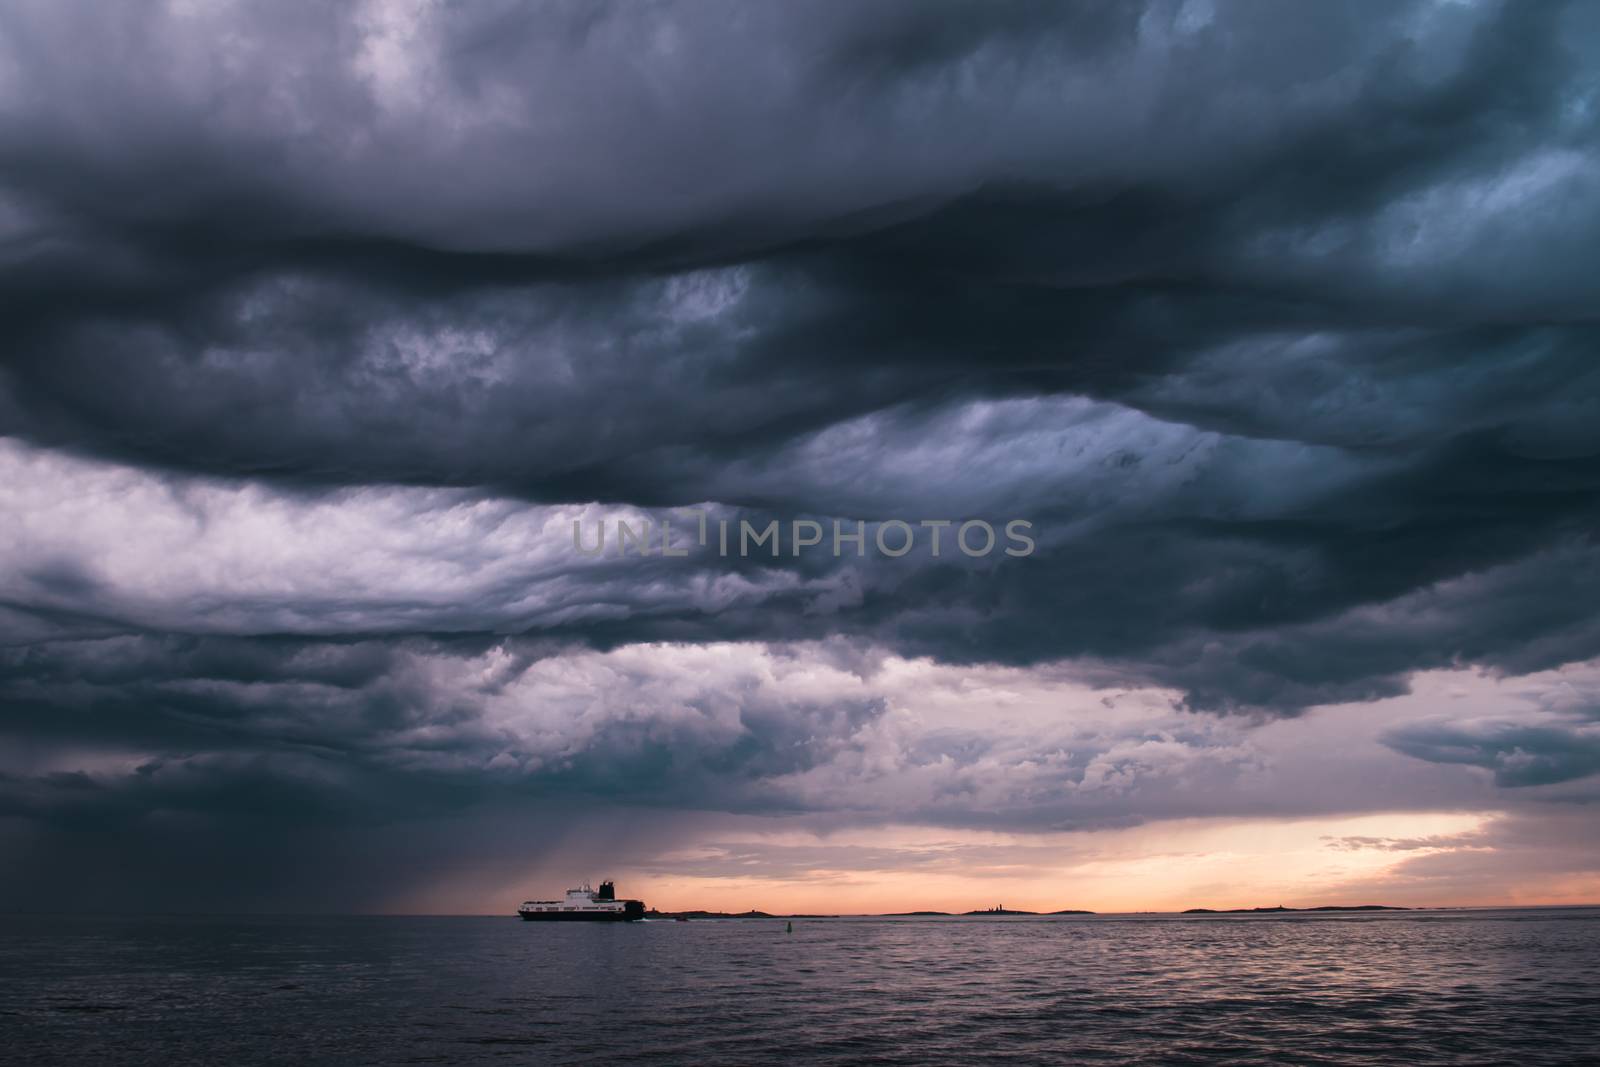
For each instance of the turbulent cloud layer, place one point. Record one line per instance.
(323, 324)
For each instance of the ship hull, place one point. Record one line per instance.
(631, 911)
(584, 905)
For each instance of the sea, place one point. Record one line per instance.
(1416, 987)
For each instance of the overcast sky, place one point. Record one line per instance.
(320, 326)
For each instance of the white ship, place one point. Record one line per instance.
(584, 905)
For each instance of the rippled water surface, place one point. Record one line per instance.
(1476, 987)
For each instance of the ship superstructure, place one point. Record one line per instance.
(584, 905)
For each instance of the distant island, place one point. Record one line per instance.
(982, 911)
(654, 914)
(1010, 911)
(1280, 907)
(1000, 911)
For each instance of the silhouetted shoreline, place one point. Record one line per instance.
(1275, 910)
(1281, 908)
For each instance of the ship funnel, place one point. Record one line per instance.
(607, 892)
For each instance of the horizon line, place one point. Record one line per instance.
(759, 913)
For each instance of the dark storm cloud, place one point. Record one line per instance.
(376, 730)
(1278, 322)
(1332, 267)
(1519, 753)
(158, 740)
(1552, 750)
(273, 773)
(592, 131)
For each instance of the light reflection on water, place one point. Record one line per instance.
(1419, 987)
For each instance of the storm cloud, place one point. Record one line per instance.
(322, 325)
